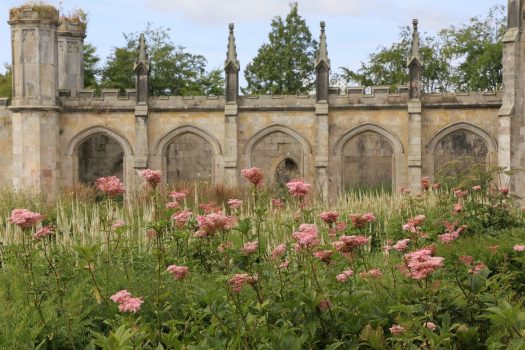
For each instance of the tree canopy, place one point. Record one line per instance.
(173, 71)
(284, 65)
(6, 82)
(458, 58)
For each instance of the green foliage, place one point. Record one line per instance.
(173, 71)
(458, 58)
(6, 83)
(55, 292)
(284, 65)
(91, 69)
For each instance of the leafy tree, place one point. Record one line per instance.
(284, 65)
(479, 49)
(173, 70)
(6, 82)
(91, 69)
(467, 57)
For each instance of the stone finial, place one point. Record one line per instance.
(415, 65)
(143, 54)
(322, 56)
(231, 55)
(141, 70)
(415, 56)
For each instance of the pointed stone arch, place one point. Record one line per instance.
(78, 140)
(300, 159)
(490, 142)
(161, 149)
(393, 143)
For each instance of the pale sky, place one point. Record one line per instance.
(354, 28)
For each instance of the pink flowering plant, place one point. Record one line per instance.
(229, 268)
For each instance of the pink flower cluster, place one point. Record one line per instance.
(234, 203)
(397, 329)
(178, 196)
(469, 263)
(519, 248)
(181, 218)
(238, 281)
(250, 247)
(209, 224)
(178, 272)
(127, 303)
(458, 193)
(110, 185)
(278, 251)
(298, 188)
(421, 263)
(413, 225)
(307, 236)
(372, 273)
(400, 246)
(44, 232)
(254, 175)
(277, 204)
(504, 190)
(458, 208)
(344, 276)
(325, 305)
(152, 177)
(360, 221)
(430, 325)
(324, 255)
(425, 183)
(209, 208)
(118, 223)
(329, 217)
(346, 244)
(25, 218)
(451, 233)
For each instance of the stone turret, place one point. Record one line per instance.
(71, 34)
(322, 68)
(141, 70)
(231, 68)
(415, 64)
(35, 59)
(35, 117)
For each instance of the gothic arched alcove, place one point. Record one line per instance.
(98, 156)
(189, 158)
(367, 161)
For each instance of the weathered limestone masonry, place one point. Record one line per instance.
(55, 133)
